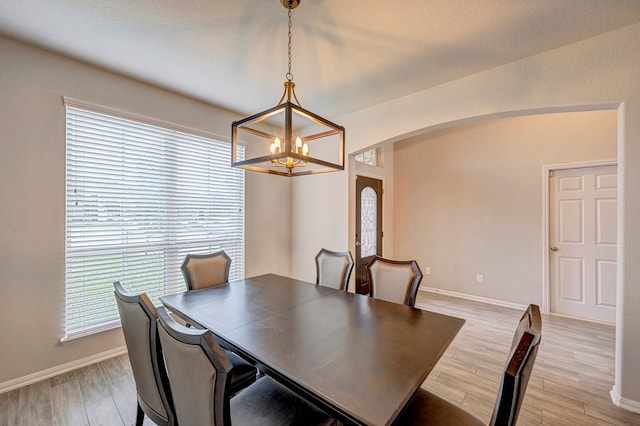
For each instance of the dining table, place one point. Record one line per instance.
(359, 358)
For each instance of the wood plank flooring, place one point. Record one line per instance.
(571, 379)
(570, 383)
(99, 394)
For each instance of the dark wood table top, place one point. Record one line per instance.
(360, 358)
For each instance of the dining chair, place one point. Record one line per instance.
(199, 374)
(394, 280)
(206, 270)
(429, 409)
(210, 270)
(140, 327)
(333, 268)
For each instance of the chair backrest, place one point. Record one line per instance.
(206, 270)
(524, 349)
(199, 373)
(394, 280)
(139, 325)
(333, 268)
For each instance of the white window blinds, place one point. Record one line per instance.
(139, 197)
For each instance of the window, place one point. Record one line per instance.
(369, 157)
(140, 195)
(368, 222)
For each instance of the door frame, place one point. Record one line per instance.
(546, 218)
(374, 173)
(380, 227)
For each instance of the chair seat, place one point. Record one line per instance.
(267, 403)
(429, 409)
(242, 375)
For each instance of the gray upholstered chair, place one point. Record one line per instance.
(429, 409)
(206, 270)
(394, 280)
(139, 325)
(210, 270)
(199, 374)
(333, 268)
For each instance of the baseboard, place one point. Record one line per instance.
(64, 368)
(624, 403)
(474, 298)
(612, 324)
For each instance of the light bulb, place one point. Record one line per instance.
(305, 149)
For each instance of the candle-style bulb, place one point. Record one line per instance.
(305, 149)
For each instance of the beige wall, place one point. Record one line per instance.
(267, 229)
(327, 224)
(320, 225)
(594, 74)
(32, 196)
(469, 199)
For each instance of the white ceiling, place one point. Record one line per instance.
(347, 54)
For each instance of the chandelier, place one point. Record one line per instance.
(287, 139)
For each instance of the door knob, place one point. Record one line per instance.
(357, 243)
(554, 248)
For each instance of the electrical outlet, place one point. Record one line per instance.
(427, 271)
(479, 278)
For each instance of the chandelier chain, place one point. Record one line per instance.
(289, 75)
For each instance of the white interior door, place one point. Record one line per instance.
(583, 241)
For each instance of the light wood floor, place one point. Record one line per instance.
(570, 383)
(571, 379)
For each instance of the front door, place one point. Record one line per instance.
(368, 227)
(582, 256)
